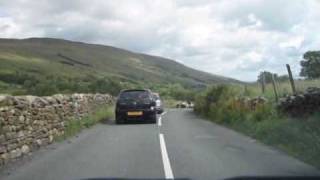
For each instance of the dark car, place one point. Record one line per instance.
(135, 104)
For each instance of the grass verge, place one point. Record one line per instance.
(74, 126)
(299, 137)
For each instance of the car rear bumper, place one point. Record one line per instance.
(146, 114)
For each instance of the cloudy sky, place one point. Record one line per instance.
(226, 37)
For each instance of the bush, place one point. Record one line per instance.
(105, 86)
(263, 112)
(216, 102)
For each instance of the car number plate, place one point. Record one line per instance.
(135, 113)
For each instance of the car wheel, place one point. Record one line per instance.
(153, 119)
(119, 120)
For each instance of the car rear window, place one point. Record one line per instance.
(135, 95)
(156, 97)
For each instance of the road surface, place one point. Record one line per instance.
(180, 145)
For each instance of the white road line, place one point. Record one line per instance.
(165, 158)
(159, 121)
(164, 113)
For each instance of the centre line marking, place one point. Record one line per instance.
(165, 158)
(159, 121)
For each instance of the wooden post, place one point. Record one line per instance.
(278, 85)
(245, 90)
(263, 82)
(291, 79)
(275, 88)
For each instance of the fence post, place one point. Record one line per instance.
(275, 88)
(291, 79)
(263, 82)
(245, 89)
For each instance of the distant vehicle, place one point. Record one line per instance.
(187, 104)
(182, 105)
(159, 105)
(135, 104)
(190, 104)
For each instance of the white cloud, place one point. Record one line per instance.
(231, 38)
(8, 28)
(293, 42)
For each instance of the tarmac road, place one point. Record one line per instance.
(180, 145)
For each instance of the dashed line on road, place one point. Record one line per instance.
(160, 121)
(165, 158)
(164, 113)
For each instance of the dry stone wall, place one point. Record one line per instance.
(29, 122)
(301, 104)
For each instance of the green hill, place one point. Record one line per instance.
(27, 63)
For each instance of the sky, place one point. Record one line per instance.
(234, 38)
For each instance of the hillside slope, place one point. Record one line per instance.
(45, 57)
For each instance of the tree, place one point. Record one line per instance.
(104, 85)
(114, 87)
(44, 89)
(310, 65)
(283, 78)
(268, 76)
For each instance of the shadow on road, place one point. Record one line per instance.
(108, 122)
(111, 122)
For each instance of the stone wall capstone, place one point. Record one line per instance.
(29, 122)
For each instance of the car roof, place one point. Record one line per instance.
(156, 94)
(128, 90)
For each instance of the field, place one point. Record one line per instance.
(283, 88)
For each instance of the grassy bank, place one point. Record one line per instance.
(299, 137)
(74, 126)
